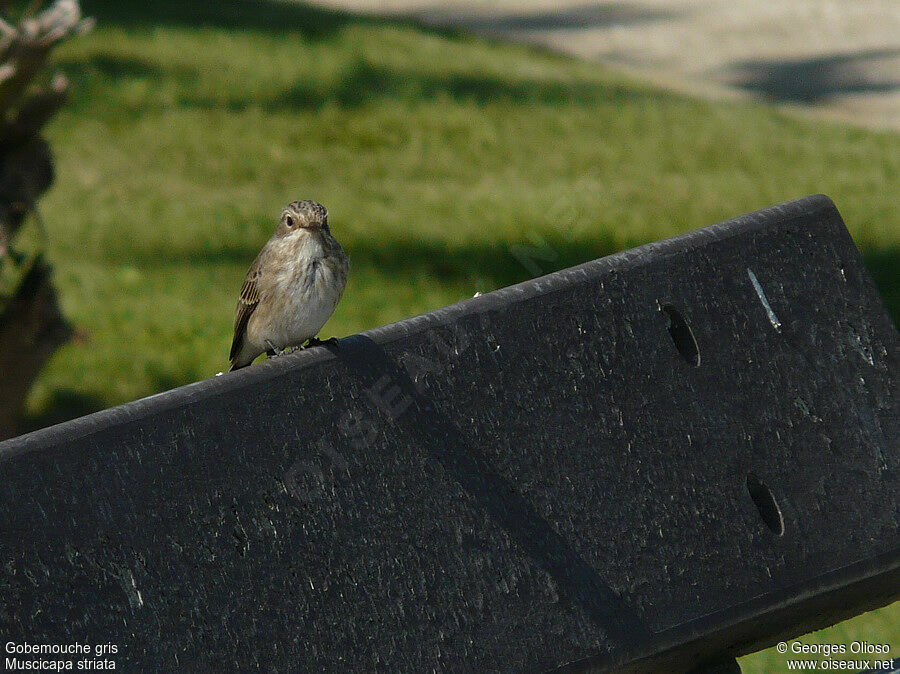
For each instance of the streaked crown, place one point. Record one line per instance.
(308, 214)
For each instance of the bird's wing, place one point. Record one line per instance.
(245, 306)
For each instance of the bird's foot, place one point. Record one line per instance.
(315, 341)
(273, 350)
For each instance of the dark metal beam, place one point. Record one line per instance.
(673, 455)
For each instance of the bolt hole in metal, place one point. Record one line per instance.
(765, 503)
(682, 336)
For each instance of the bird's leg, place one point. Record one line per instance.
(273, 350)
(315, 341)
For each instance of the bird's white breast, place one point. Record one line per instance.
(304, 292)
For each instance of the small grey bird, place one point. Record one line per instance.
(292, 287)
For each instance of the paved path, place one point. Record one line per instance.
(837, 58)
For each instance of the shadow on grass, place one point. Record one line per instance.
(118, 68)
(497, 265)
(165, 380)
(66, 404)
(365, 82)
(361, 84)
(816, 79)
(63, 405)
(588, 16)
(320, 23)
(274, 16)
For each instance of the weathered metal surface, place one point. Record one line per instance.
(680, 452)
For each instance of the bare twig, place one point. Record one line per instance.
(24, 50)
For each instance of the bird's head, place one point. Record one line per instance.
(309, 216)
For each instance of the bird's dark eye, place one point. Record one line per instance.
(290, 221)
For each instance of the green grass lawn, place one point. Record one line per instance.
(191, 124)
